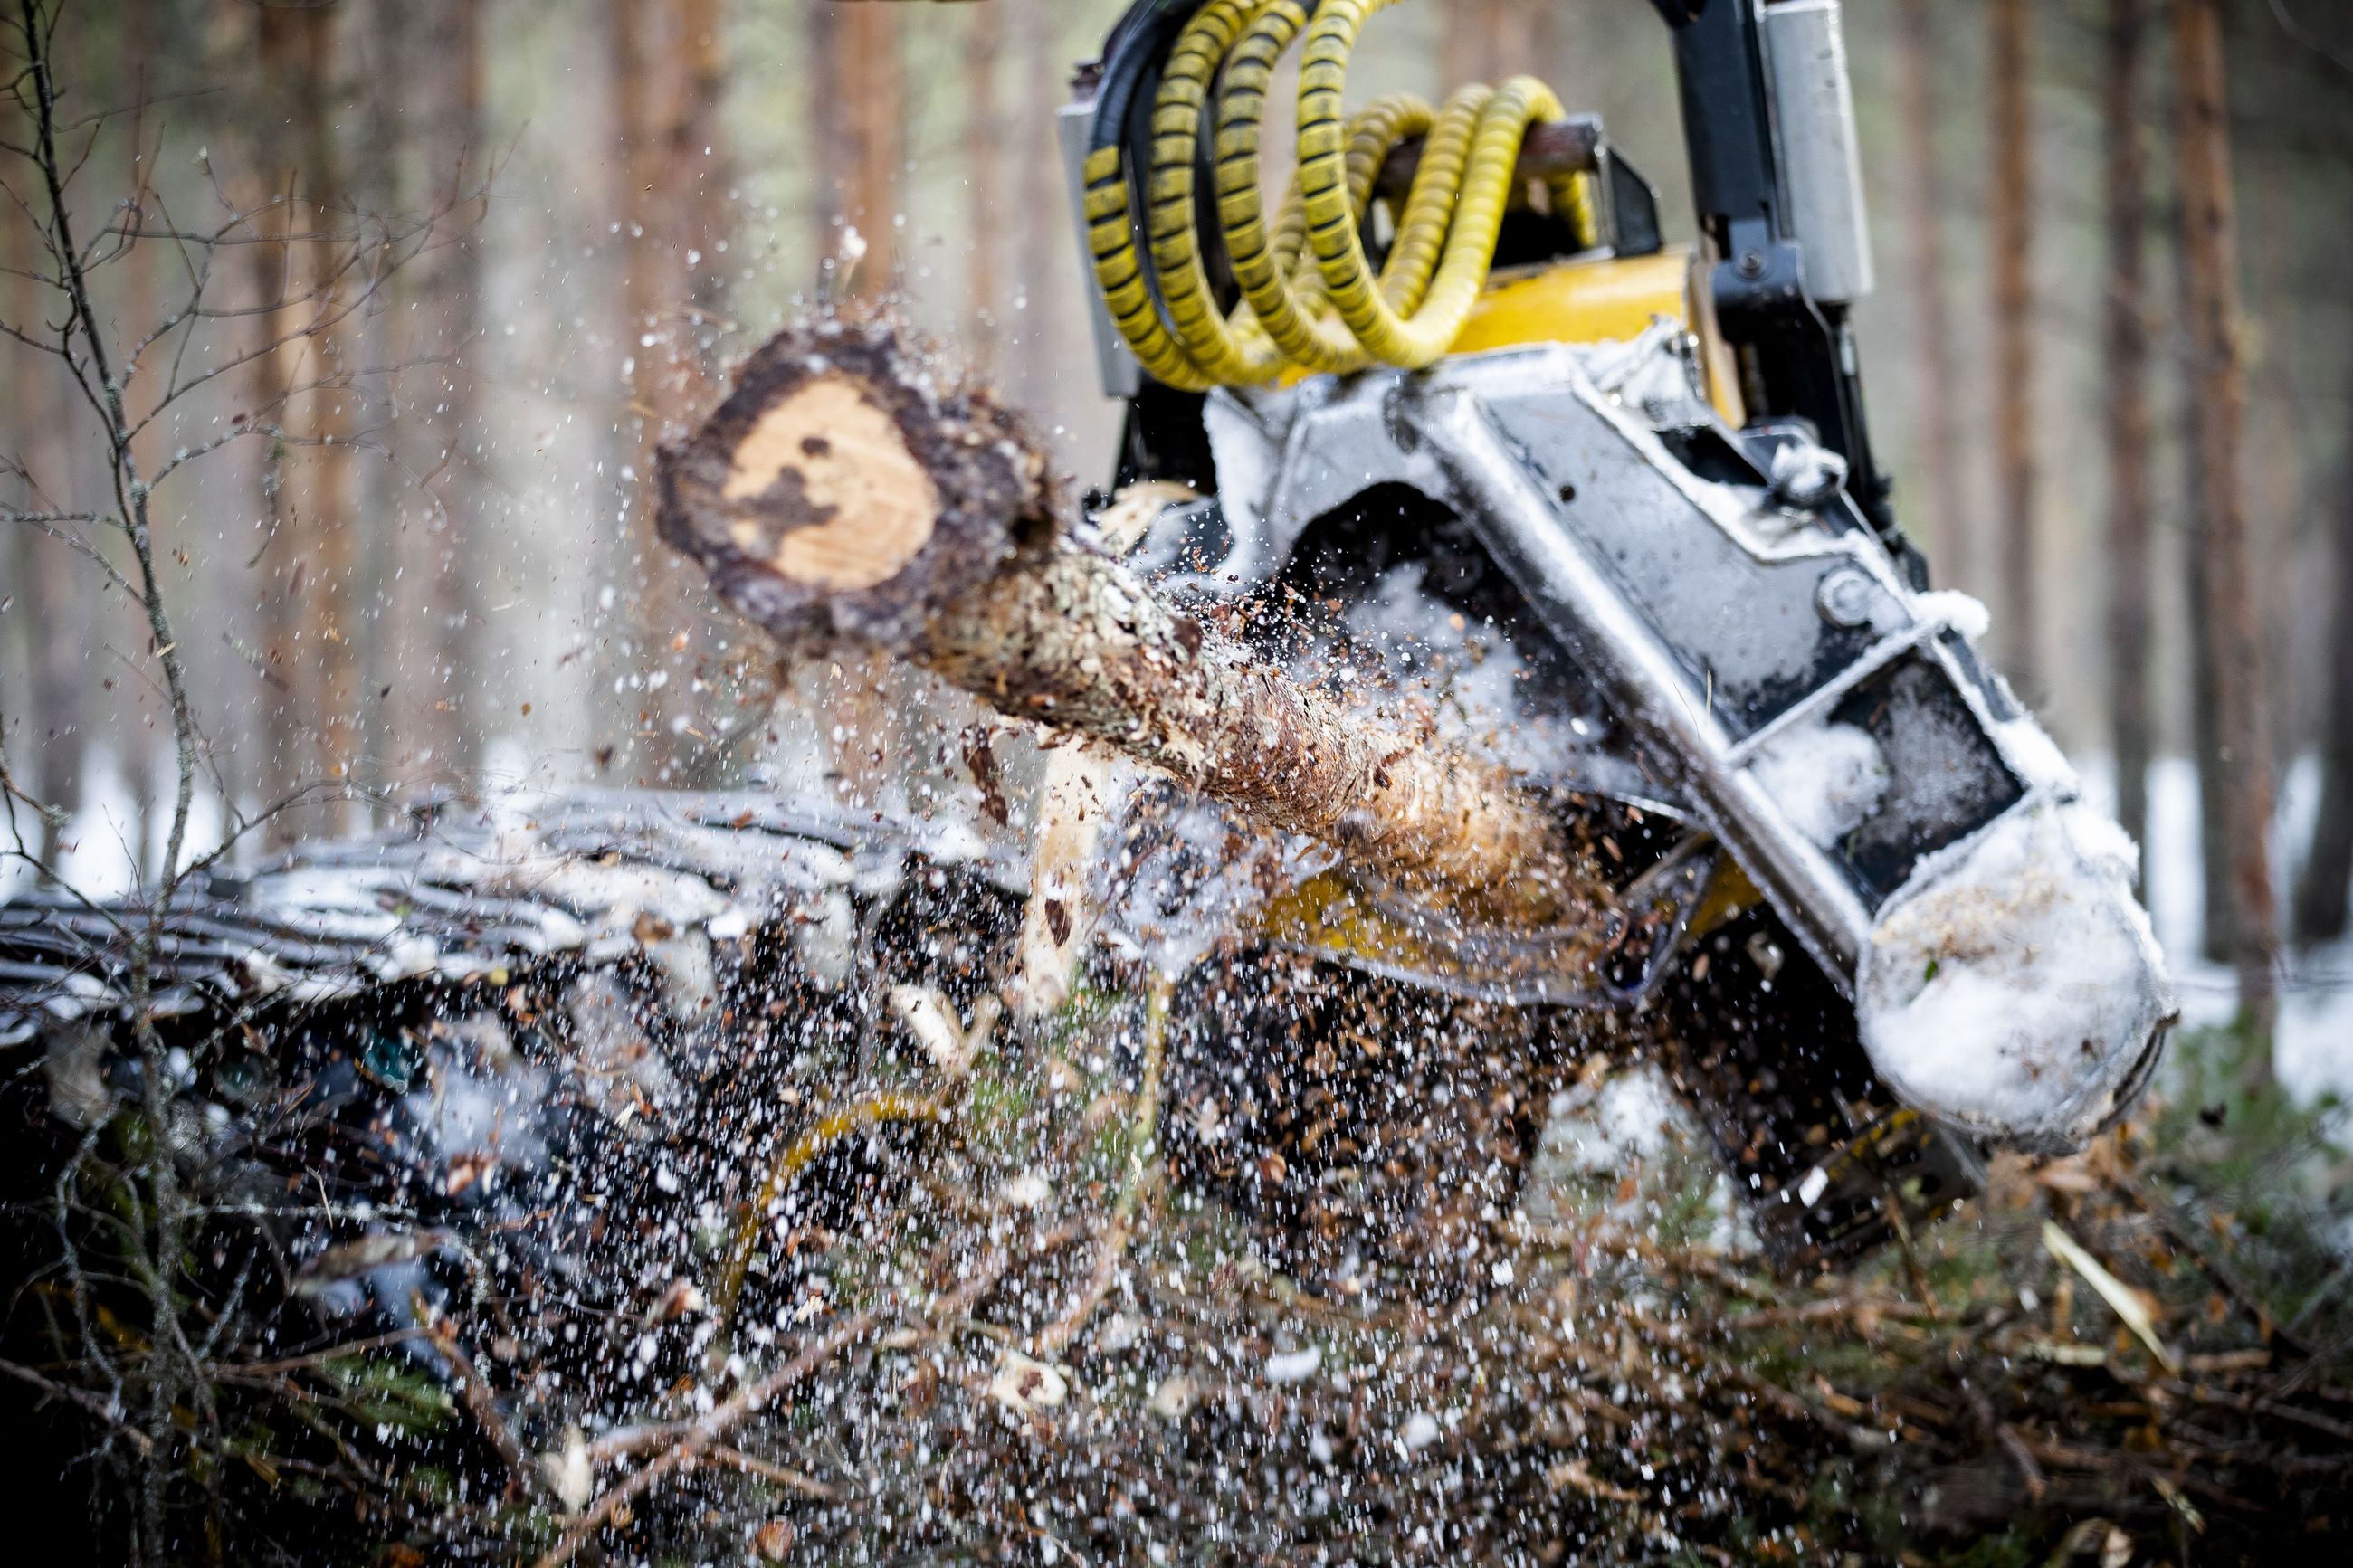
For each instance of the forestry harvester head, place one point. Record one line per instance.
(1458, 398)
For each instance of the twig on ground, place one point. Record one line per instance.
(1143, 1137)
(476, 1396)
(82, 1398)
(2185, 1235)
(1918, 1275)
(782, 1475)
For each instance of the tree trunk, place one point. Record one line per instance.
(855, 101)
(851, 503)
(2227, 600)
(2011, 235)
(303, 387)
(280, 767)
(1464, 43)
(283, 558)
(326, 665)
(2130, 496)
(668, 66)
(397, 660)
(137, 264)
(700, 171)
(142, 753)
(635, 163)
(854, 130)
(985, 181)
(1046, 246)
(1938, 509)
(2217, 932)
(447, 717)
(1488, 40)
(47, 754)
(2320, 898)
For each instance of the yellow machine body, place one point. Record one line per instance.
(1578, 301)
(1605, 299)
(1595, 299)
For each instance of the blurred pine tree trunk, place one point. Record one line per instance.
(702, 169)
(47, 753)
(2320, 900)
(280, 558)
(2011, 238)
(1486, 41)
(1049, 237)
(458, 163)
(855, 103)
(2226, 586)
(327, 623)
(2130, 496)
(1939, 512)
(272, 197)
(389, 92)
(701, 231)
(2218, 927)
(984, 150)
(640, 553)
(142, 753)
(668, 78)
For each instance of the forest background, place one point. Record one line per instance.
(467, 263)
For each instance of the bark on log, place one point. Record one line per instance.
(849, 492)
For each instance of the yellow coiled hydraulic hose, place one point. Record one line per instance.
(1310, 297)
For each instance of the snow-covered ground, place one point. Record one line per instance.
(99, 856)
(99, 853)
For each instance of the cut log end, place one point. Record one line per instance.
(831, 495)
(847, 488)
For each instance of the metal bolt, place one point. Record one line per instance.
(1844, 597)
(1751, 264)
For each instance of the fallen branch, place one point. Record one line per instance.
(700, 1431)
(476, 1396)
(844, 494)
(701, 1434)
(783, 1476)
(830, 1128)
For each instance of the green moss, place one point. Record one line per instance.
(2268, 1182)
(390, 1393)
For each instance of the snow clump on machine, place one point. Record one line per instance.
(1826, 778)
(2018, 991)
